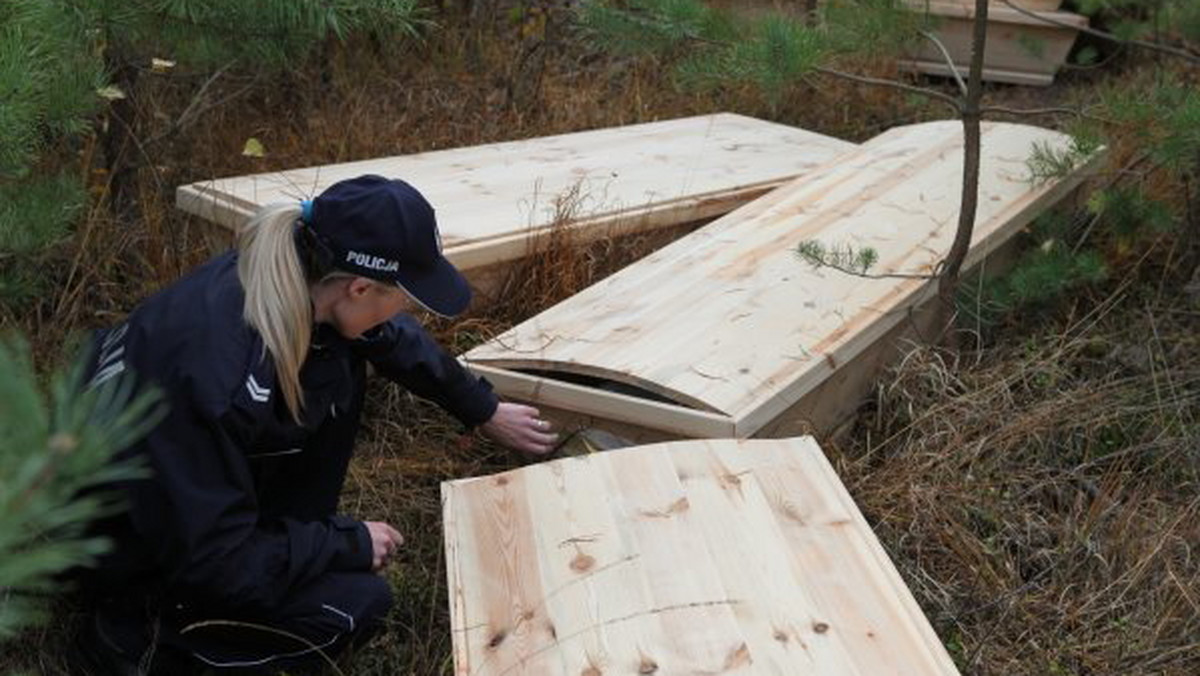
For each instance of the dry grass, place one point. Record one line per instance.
(1039, 497)
(1042, 500)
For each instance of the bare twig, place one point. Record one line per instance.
(870, 275)
(1077, 112)
(962, 86)
(198, 106)
(309, 645)
(950, 101)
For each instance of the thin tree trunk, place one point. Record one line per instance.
(118, 135)
(952, 266)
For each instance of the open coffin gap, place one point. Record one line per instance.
(606, 385)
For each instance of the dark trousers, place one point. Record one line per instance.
(317, 621)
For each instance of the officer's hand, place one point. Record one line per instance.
(385, 540)
(518, 426)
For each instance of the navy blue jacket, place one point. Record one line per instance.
(195, 527)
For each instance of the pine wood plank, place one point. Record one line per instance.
(696, 557)
(859, 592)
(1020, 49)
(492, 199)
(750, 549)
(598, 589)
(509, 626)
(729, 321)
(686, 597)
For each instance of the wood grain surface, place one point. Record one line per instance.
(688, 557)
(728, 321)
(492, 199)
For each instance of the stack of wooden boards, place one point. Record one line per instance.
(1021, 49)
(692, 557)
(494, 201)
(726, 333)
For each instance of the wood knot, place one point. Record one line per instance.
(820, 627)
(582, 563)
(781, 636)
(527, 616)
(552, 631)
(501, 481)
(591, 671)
(678, 507)
(791, 512)
(497, 639)
(738, 657)
(647, 666)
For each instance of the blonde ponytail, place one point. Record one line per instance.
(278, 304)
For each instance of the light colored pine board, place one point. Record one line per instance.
(728, 320)
(593, 576)
(511, 624)
(687, 598)
(696, 557)
(1020, 49)
(492, 199)
(751, 551)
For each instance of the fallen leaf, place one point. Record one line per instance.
(111, 93)
(253, 148)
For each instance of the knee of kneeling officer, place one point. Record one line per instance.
(377, 597)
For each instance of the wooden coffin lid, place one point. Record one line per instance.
(689, 557)
(490, 199)
(728, 321)
(999, 12)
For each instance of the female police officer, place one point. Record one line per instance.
(231, 553)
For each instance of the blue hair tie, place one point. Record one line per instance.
(306, 209)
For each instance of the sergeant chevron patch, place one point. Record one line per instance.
(257, 392)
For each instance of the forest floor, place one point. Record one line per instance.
(1038, 491)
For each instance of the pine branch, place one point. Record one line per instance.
(848, 260)
(57, 467)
